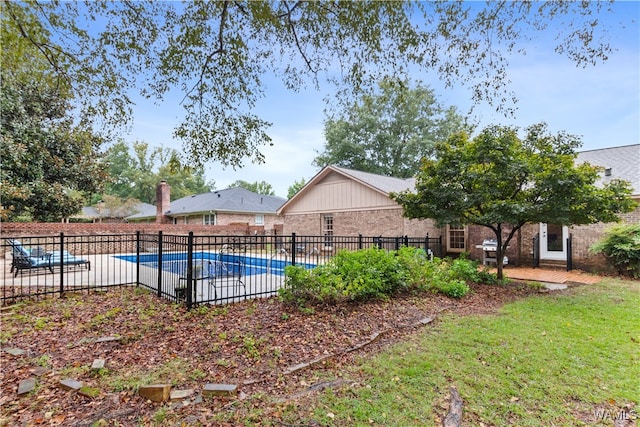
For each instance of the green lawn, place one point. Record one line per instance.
(564, 359)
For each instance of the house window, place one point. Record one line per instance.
(259, 219)
(327, 229)
(209, 219)
(456, 238)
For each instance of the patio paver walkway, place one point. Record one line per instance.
(551, 276)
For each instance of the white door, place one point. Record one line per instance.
(553, 241)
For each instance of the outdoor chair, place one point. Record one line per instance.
(34, 258)
(227, 274)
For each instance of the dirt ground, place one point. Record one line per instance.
(271, 352)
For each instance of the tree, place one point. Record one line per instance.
(116, 207)
(261, 187)
(295, 187)
(136, 171)
(49, 166)
(217, 54)
(499, 181)
(388, 132)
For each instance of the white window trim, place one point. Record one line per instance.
(259, 219)
(448, 238)
(204, 219)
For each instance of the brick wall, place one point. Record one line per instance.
(122, 234)
(586, 235)
(385, 222)
(20, 229)
(583, 236)
(270, 221)
(477, 234)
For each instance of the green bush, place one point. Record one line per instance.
(368, 273)
(456, 288)
(621, 247)
(373, 273)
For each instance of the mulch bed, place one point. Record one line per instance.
(264, 347)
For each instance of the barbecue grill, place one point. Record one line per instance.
(490, 252)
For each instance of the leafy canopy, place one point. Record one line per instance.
(388, 132)
(136, 171)
(49, 165)
(261, 187)
(295, 187)
(500, 181)
(217, 55)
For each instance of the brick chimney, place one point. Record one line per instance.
(163, 201)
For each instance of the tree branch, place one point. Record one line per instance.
(295, 36)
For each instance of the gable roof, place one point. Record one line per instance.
(145, 211)
(384, 184)
(379, 183)
(235, 199)
(142, 210)
(624, 163)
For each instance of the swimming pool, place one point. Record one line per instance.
(212, 264)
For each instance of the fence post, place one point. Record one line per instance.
(359, 241)
(426, 243)
(406, 240)
(440, 247)
(138, 258)
(570, 252)
(160, 263)
(61, 264)
(397, 243)
(190, 271)
(293, 248)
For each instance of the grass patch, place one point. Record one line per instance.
(549, 360)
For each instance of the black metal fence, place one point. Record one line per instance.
(193, 269)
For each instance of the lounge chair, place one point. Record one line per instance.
(35, 258)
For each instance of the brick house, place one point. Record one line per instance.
(618, 163)
(346, 202)
(231, 206)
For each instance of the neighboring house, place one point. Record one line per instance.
(345, 202)
(340, 201)
(100, 213)
(220, 207)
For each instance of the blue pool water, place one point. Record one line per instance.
(207, 264)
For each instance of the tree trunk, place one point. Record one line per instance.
(499, 264)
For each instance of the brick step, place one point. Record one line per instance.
(553, 264)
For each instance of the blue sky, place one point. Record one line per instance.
(601, 104)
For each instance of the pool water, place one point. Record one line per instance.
(212, 264)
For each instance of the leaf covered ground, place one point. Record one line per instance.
(144, 340)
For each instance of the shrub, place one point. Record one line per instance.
(374, 273)
(452, 288)
(368, 273)
(621, 247)
(352, 276)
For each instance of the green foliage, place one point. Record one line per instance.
(621, 247)
(261, 187)
(388, 132)
(217, 55)
(135, 170)
(49, 164)
(374, 273)
(295, 187)
(501, 181)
